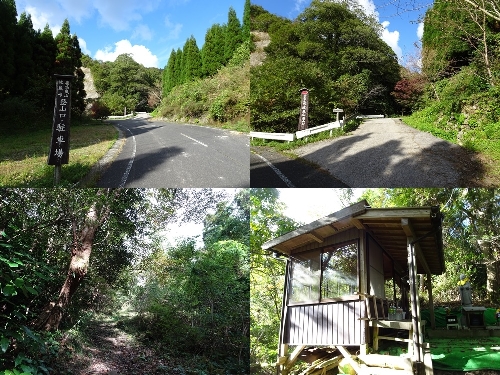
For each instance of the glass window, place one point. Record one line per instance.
(340, 271)
(324, 274)
(306, 275)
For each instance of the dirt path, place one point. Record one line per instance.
(387, 153)
(110, 350)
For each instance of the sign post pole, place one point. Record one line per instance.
(59, 145)
(304, 109)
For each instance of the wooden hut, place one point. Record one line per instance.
(344, 272)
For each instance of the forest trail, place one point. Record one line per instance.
(111, 350)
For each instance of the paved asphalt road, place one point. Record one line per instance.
(161, 154)
(269, 168)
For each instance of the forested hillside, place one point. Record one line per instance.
(470, 239)
(29, 58)
(456, 95)
(90, 284)
(331, 48)
(123, 86)
(210, 84)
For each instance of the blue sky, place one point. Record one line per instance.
(401, 26)
(148, 29)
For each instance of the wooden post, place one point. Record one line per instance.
(431, 302)
(57, 175)
(415, 305)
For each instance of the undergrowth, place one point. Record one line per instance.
(222, 100)
(464, 111)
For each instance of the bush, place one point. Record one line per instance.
(99, 111)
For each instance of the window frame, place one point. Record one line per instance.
(319, 299)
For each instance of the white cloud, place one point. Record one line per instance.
(369, 7)
(120, 13)
(40, 19)
(173, 28)
(420, 30)
(139, 53)
(142, 32)
(83, 46)
(392, 39)
(299, 5)
(78, 9)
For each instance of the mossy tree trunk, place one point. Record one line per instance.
(83, 238)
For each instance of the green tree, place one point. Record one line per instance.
(267, 221)
(229, 222)
(212, 51)
(8, 21)
(68, 228)
(245, 29)
(169, 74)
(68, 62)
(336, 53)
(233, 35)
(44, 57)
(191, 61)
(179, 63)
(470, 231)
(24, 55)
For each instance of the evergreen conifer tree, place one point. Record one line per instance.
(233, 37)
(68, 61)
(213, 50)
(179, 58)
(169, 74)
(8, 21)
(245, 30)
(23, 55)
(44, 57)
(191, 60)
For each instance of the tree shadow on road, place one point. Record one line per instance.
(389, 165)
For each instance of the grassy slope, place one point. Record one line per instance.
(468, 120)
(221, 100)
(23, 157)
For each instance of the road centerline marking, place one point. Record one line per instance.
(131, 161)
(201, 143)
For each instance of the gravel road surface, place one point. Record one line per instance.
(387, 153)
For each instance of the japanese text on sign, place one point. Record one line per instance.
(59, 150)
(304, 110)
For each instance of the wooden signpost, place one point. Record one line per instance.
(59, 146)
(304, 109)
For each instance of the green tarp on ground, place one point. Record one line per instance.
(440, 315)
(460, 354)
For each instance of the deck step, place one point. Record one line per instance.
(387, 361)
(367, 370)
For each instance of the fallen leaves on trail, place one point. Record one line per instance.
(112, 351)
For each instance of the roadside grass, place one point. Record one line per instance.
(23, 156)
(483, 140)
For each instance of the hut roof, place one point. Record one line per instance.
(390, 227)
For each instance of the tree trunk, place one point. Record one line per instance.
(52, 313)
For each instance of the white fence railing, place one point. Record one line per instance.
(290, 137)
(369, 116)
(318, 129)
(278, 136)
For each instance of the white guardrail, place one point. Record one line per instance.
(319, 129)
(278, 136)
(290, 137)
